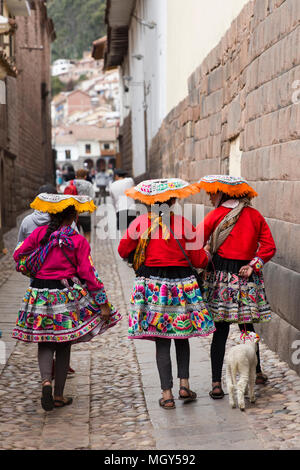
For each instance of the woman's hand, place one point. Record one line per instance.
(246, 271)
(105, 311)
(207, 247)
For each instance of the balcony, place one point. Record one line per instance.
(18, 7)
(7, 66)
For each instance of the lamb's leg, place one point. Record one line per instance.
(241, 388)
(230, 386)
(252, 378)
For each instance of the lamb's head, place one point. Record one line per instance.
(249, 337)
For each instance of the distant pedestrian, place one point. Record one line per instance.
(37, 218)
(102, 180)
(57, 309)
(83, 188)
(240, 243)
(59, 178)
(124, 205)
(166, 301)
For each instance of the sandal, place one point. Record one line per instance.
(61, 403)
(261, 379)
(163, 403)
(192, 396)
(47, 398)
(216, 396)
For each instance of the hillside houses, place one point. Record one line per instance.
(85, 119)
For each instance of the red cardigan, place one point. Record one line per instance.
(162, 252)
(250, 239)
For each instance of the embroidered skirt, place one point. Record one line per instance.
(51, 312)
(166, 302)
(230, 297)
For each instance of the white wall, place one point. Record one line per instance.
(147, 89)
(185, 32)
(195, 27)
(95, 148)
(61, 152)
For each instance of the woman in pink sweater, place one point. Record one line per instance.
(66, 301)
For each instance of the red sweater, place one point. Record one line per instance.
(162, 252)
(250, 238)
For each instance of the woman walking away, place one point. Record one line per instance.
(240, 243)
(66, 301)
(166, 301)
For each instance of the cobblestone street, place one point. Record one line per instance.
(116, 390)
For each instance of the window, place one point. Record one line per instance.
(106, 146)
(68, 154)
(88, 148)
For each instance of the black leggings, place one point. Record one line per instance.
(218, 348)
(62, 361)
(163, 360)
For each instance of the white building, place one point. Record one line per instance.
(77, 145)
(61, 66)
(167, 40)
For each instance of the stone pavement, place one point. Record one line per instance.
(116, 389)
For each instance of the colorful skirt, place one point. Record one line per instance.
(50, 312)
(166, 302)
(230, 297)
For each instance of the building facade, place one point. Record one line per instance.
(26, 159)
(80, 146)
(240, 115)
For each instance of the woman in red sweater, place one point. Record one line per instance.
(240, 243)
(166, 301)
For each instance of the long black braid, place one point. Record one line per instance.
(57, 220)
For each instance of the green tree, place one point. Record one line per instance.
(77, 24)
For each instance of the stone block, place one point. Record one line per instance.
(283, 292)
(282, 338)
(189, 148)
(201, 129)
(287, 239)
(234, 119)
(215, 80)
(278, 162)
(278, 199)
(212, 104)
(209, 167)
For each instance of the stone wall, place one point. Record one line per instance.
(246, 88)
(25, 126)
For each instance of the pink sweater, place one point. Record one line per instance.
(56, 265)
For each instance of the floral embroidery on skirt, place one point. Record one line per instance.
(167, 307)
(59, 315)
(230, 297)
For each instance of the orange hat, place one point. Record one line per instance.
(232, 185)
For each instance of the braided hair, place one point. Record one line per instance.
(57, 220)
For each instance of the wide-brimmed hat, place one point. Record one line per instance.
(234, 186)
(161, 190)
(54, 203)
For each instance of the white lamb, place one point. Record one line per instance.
(242, 360)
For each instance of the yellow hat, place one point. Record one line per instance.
(54, 203)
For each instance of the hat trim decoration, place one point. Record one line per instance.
(231, 185)
(54, 203)
(161, 190)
